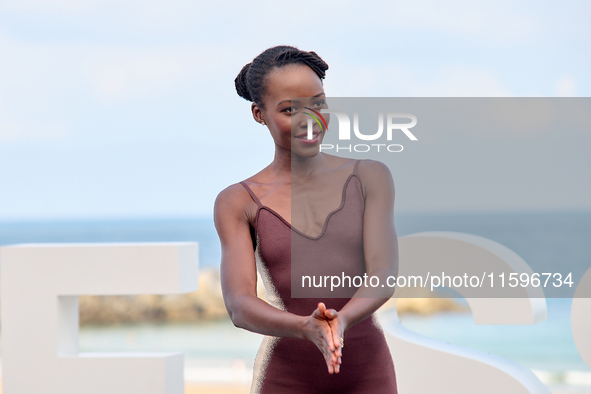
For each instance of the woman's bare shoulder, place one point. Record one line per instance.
(232, 202)
(374, 175)
(235, 201)
(237, 192)
(233, 193)
(371, 167)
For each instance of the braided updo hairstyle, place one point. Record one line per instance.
(250, 82)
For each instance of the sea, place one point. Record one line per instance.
(216, 351)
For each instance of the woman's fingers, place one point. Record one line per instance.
(323, 336)
(321, 308)
(337, 334)
(329, 313)
(336, 353)
(336, 329)
(329, 354)
(329, 363)
(324, 321)
(328, 332)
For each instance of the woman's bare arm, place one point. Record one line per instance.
(238, 277)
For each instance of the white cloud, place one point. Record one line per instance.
(461, 81)
(67, 7)
(497, 21)
(395, 80)
(120, 74)
(12, 131)
(566, 86)
(9, 132)
(49, 87)
(116, 74)
(32, 82)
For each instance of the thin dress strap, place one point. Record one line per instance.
(254, 197)
(359, 180)
(356, 166)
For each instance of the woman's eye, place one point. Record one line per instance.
(319, 103)
(290, 109)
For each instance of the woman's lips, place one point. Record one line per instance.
(304, 138)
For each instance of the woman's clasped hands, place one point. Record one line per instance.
(325, 328)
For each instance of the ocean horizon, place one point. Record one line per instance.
(539, 238)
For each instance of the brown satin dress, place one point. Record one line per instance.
(294, 365)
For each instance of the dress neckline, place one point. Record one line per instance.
(326, 221)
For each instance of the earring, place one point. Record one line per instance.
(263, 123)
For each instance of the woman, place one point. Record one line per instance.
(303, 351)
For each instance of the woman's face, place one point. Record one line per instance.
(286, 118)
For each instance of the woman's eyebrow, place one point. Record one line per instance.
(297, 101)
(284, 101)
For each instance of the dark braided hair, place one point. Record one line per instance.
(250, 82)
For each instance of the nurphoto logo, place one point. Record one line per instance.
(391, 119)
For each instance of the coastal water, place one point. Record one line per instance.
(547, 241)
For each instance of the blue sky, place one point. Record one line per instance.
(128, 108)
